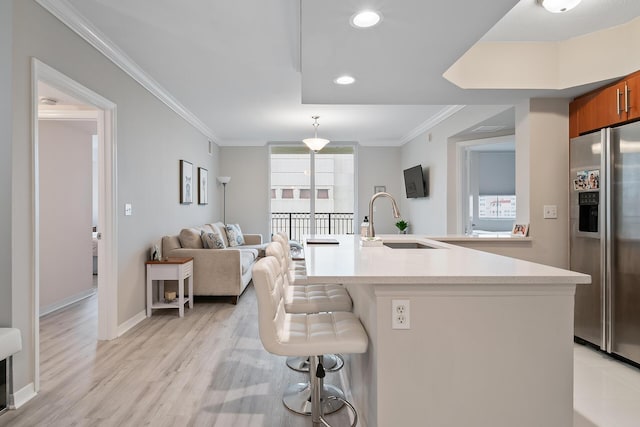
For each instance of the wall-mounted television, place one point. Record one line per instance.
(414, 182)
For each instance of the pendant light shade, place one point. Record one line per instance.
(315, 144)
(559, 6)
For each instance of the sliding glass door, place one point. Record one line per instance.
(312, 193)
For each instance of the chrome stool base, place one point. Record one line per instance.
(297, 398)
(331, 362)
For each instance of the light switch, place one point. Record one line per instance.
(550, 212)
(127, 209)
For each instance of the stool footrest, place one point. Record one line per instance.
(297, 398)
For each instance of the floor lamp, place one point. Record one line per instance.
(224, 180)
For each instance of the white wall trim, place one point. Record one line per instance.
(72, 18)
(87, 115)
(23, 395)
(123, 328)
(67, 301)
(432, 122)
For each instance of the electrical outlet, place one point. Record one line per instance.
(400, 314)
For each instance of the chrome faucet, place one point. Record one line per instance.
(396, 212)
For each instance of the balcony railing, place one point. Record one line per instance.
(297, 224)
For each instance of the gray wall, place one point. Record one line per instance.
(430, 215)
(548, 169)
(65, 149)
(542, 136)
(151, 139)
(379, 166)
(248, 192)
(5, 161)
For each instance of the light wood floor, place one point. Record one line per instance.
(206, 369)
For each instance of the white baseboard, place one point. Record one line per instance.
(23, 395)
(123, 328)
(67, 301)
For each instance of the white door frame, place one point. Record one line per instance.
(107, 203)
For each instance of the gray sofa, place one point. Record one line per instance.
(216, 272)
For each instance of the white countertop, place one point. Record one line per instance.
(348, 262)
(481, 238)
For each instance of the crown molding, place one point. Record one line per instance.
(434, 120)
(73, 19)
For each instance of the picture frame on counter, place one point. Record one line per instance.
(521, 230)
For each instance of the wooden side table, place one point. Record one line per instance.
(169, 269)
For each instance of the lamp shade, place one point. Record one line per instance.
(224, 179)
(315, 144)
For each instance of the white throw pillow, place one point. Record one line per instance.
(211, 240)
(234, 234)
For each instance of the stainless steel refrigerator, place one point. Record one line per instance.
(605, 238)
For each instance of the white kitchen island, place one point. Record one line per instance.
(490, 340)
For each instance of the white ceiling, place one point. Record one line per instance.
(529, 22)
(255, 71)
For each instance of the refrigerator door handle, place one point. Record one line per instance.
(606, 187)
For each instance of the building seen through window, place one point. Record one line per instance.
(322, 205)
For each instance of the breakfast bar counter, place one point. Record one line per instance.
(489, 339)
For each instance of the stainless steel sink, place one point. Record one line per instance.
(408, 245)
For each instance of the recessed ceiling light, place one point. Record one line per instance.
(366, 19)
(344, 80)
(559, 6)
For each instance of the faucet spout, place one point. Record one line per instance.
(396, 212)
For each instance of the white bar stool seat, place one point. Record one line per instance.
(296, 334)
(297, 266)
(309, 298)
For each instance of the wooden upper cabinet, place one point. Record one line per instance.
(609, 106)
(577, 113)
(633, 96)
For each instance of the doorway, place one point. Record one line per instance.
(68, 248)
(102, 111)
(487, 185)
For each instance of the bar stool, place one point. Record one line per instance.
(309, 298)
(297, 269)
(316, 298)
(291, 334)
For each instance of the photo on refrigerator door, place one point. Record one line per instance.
(587, 180)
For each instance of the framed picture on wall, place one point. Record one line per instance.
(203, 186)
(186, 182)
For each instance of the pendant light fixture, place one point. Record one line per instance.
(315, 144)
(559, 6)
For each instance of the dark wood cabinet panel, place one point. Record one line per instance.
(609, 106)
(633, 96)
